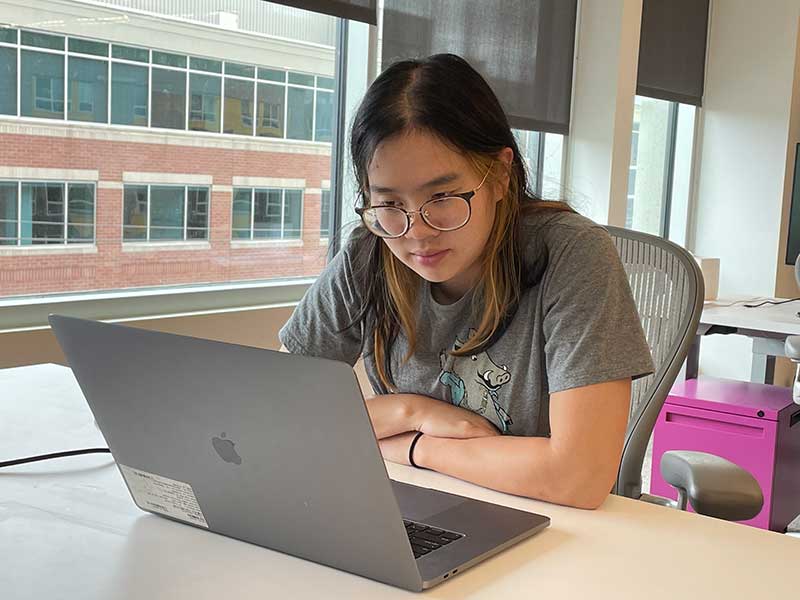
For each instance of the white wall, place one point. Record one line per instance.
(742, 161)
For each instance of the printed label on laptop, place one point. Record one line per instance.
(165, 496)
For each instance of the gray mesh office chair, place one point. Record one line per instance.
(668, 288)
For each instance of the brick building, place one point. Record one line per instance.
(145, 150)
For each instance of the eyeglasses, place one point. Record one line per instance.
(446, 213)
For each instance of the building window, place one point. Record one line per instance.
(271, 103)
(34, 213)
(267, 213)
(164, 213)
(153, 88)
(8, 80)
(80, 213)
(129, 92)
(42, 85)
(167, 212)
(239, 101)
(169, 98)
(88, 90)
(205, 92)
(300, 117)
(323, 120)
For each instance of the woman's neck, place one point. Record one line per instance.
(452, 290)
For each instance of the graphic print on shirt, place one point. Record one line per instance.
(474, 382)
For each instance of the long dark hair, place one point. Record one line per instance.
(444, 96)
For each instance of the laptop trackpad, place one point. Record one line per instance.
(418, 503)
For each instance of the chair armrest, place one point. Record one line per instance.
(714, 486)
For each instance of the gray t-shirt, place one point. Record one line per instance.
(576, 326)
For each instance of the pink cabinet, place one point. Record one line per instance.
(754, 425)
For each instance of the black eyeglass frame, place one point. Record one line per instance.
(466, 196)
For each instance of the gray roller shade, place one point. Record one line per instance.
(672, 50)
(355, 10)
(524, 49)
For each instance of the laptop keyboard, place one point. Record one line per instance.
(425, 539)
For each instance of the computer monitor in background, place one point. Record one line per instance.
(793, 244)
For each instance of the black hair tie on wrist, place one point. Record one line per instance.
(411, 450)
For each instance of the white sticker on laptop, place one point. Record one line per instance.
(165, 496)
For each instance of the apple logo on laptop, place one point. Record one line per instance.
(225, 448)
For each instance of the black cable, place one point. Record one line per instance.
(30, 459)
(771, 302)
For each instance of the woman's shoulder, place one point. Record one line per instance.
(555, 230)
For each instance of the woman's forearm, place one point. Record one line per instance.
(390, 414)
(525, 466)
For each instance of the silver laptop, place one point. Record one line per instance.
(273, 449)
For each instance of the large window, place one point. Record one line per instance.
(178, 114)
(45, 212)
(658, 177)
(165, 213)
(267, 213)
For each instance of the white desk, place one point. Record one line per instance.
(69, 530)
(767, 325)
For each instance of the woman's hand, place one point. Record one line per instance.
(442, 419)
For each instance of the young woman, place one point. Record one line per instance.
(498, 330)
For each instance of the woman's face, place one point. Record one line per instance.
(406, 171)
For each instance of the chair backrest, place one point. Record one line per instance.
(668, 288)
